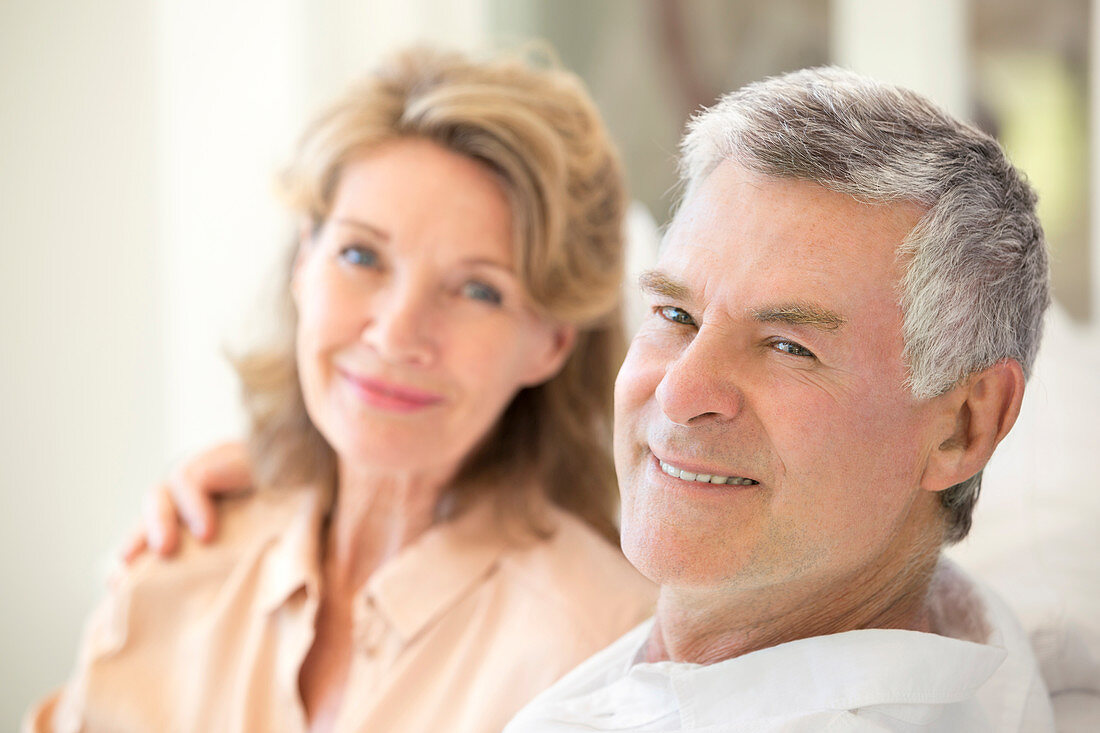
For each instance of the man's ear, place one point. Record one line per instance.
(978, 415)
(550, 353)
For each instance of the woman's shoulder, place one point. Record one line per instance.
(247, 524)
(577, 573)
(160, 617)
(254, 530)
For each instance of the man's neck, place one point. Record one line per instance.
(706, 627)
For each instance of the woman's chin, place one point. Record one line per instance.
(399, 447)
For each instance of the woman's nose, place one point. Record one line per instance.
(401, 325)
(700, 385)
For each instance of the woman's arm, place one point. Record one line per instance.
(187, 497)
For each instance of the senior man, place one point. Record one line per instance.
(844, 313)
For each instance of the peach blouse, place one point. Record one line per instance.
(455, 633)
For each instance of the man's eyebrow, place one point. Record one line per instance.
(799, 314)
(658, 283)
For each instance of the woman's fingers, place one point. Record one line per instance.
(224, 469)
(133, 547)
(188, 496)
(195, 507)
(161, 522)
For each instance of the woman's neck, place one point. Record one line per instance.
(374, 516)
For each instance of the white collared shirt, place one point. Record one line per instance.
(866, 680)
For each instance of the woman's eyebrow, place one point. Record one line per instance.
(658, 283)
(357, 224)
(799, 314)
(487, 262)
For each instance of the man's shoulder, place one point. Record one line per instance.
(1015, 696)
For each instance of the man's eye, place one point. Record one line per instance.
(360, 256)
(475, 290)
(790, 347)
(676, 315)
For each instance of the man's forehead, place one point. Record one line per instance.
(741, 225)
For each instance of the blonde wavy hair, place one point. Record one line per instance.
(537, 129)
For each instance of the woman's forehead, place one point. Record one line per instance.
(416, 193)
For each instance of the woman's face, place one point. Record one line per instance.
(414, 330)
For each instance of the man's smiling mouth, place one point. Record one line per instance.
(703, 478)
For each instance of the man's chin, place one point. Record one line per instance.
(667, 556)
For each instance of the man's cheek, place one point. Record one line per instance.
(630, 385)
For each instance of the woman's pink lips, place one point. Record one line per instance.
(389, 396)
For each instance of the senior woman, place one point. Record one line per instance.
(427, 546)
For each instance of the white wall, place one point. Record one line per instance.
(230, 78)
(81, 379)
(920, 45)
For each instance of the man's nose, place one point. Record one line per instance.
(401, 323)
(700, 386)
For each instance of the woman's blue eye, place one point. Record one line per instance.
(359, 255)
(790, 347)
(475, 290)
(676, 315)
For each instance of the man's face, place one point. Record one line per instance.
(764, 433)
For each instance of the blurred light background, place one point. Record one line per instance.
(137, 143)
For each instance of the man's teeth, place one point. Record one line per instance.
(704, 478)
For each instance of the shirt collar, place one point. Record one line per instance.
(292, 559)
(411, 589)
(855, 669)
(907, 673)
(843, 671)
(439, 569)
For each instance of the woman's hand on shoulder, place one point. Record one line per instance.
(187, 498)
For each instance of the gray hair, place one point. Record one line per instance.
(977, 282)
